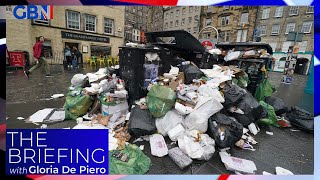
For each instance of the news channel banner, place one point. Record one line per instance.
(62, 151)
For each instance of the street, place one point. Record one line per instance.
(292, 150)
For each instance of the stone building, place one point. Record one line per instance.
(155, 19)
(275, 23)
(136, 19)
(182, 18)
(94, 30)
(235, 23)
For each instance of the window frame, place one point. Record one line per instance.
(79, 19)
(310, 28)
(279, 29)
(294, 27)
(104, 25)
(310, 12)
(246, 17)
(85, 23)
(276, 13)
(296, 9)
(265, 30)
(225, 20)
(263, 15)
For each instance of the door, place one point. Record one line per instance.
(71, 45)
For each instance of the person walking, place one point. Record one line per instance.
(38, 53)
(67, 54)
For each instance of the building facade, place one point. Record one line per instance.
(136, 19)
(234, 23)
(155, 19)
(92, 29)
(275, 23)
(182, 18)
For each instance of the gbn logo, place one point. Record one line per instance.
(43, 12)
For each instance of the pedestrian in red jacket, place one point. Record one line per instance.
(38, 54)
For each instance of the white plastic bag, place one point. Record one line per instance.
(176, 132)
(158, 145)
(205, 108)
(202, 150)
(168, 122)
(78, 79)
(232, 56)
(208, 91)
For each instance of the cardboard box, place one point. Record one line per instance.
(174, 83)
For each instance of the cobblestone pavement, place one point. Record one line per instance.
(290, 150)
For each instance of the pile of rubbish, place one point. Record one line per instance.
(200, 110)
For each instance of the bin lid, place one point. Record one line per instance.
(182, 41)
(226, 46)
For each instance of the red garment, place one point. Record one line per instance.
(37, 48)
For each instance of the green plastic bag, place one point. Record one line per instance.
(271, 119)
(160, 100)
(138, 162)
(265, 89)
(76, 105)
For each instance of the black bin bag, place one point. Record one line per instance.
(141, 122)
(190, 73)
(233, 95)
(301, 119)
(253, 111)
(278, 105)
(225, 130)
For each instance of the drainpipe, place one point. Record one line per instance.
(255, 21)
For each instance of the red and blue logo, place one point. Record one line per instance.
(42, 12)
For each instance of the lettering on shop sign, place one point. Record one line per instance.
(84, 37)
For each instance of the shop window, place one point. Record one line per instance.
(90, 23)
(279, 12)
(306, 27)
(286, 45)
(46, 47)
(100, 50)
(294, 10)
(73, 20)
(303, 46)
(108, 26)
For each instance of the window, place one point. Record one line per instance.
(279, 12)
(275, 29)
(190, 20)
(310, 9)
(73, 20)
(133, 10)
(90, 23)
(294, 10)
(242, 35)
(171, 24)
(225, 36)
(140, 13)
(195, 29)
(303, 46)
(166, 26)
(196, 18)
(98, 50)
(306, 27)
(273, 46)
(171, 15)
(41, 21)
(167, 15)
(207, 35)
(208, 21)
(189, 30)
(225, 20)
(190, 9)
(177, 23)
(290, 27)
(184, 11)
(197, 8)
(265, 13)
(244, 18)
(209, 10)
(108, 26)
(263, 30)
(225, 7)
(286, 45)
(177, 12)
(9, 8)
(183, 21)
